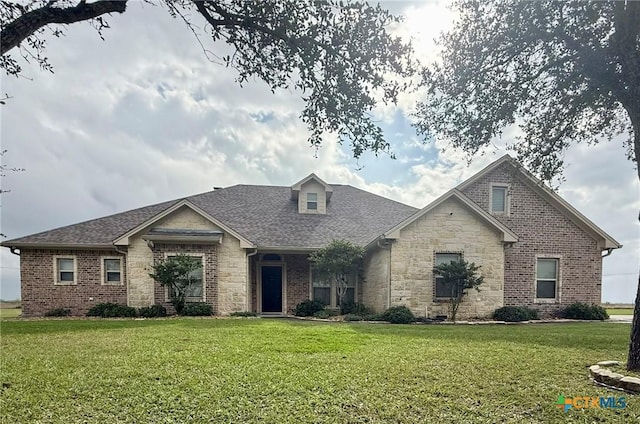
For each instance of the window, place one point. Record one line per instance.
(112, 271)
(443, 291)
(546, 278)
(499, 199)
(312, 201)
(65, 270)
(327, 291)
(195, 292)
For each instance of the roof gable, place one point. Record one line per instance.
(507, 235)
(564, 207)
(295, 189)
(124, 239)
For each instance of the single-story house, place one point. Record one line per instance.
(533, 247)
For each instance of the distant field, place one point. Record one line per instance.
(10, 313)
(620, 311)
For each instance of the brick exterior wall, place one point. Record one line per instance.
(209, 263)
(40, 294)
(449, 227)
(296, 279)
(542, 231)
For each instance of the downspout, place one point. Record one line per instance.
(248, 280)
(387, 246)
(609, 251)
(13, 250)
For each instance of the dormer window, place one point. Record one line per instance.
(312, 195)
(312, 201)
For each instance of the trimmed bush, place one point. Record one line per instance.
(58, 312)
(515, 314)
(307, 308)
(355, 308)
(583, 311)
(243, 314)
(398, 315)
(154, 311)
(199, 309)
(324, 314)
(112, 310)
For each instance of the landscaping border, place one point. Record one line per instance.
(613, 380)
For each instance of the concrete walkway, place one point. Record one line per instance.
(621, 318)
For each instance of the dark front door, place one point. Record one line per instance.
(271, 289)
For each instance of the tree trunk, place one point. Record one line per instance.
(633, 361)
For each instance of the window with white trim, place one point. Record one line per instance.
(499, 199)
(327, 291)
(112, 271)
(443, 290)
(312, 201)
(547, 278)
(65, 270)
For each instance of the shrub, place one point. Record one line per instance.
(515, 314)
(354, 308)
(307, 308)
(58, 312)
(243, 314)
(112, 310)
(583, 311)
(398, 315)
(324, 314)
(154, 311)
(353, 317)
(199, 309)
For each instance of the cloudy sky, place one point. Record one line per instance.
(144, 117)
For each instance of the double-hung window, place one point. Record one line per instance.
(499, 199)
(312, 201)
(547, 278)
(443, 290)
(112, 271)
(327, 290)
(65, 270)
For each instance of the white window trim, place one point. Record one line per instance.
(56, 271)
(558, 297)
(333, 295)
(313, 210)
(449, 252)
(507, 199)
(204, 274)
(103, 270)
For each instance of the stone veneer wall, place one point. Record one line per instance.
(375, 287)
(542, 230)
(231, 265)
(450, 227)
(40, 294)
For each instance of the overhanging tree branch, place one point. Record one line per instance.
(15, 32)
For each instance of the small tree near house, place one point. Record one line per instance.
(177, 273)
(336, 262)
(460, 276)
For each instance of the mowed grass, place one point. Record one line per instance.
(288, 371)
(620, 311)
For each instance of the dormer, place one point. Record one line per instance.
(312, 195)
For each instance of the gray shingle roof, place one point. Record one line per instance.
(265, 215)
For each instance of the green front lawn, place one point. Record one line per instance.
(278, 371)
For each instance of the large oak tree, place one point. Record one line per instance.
(565, 72)
(339, 55)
